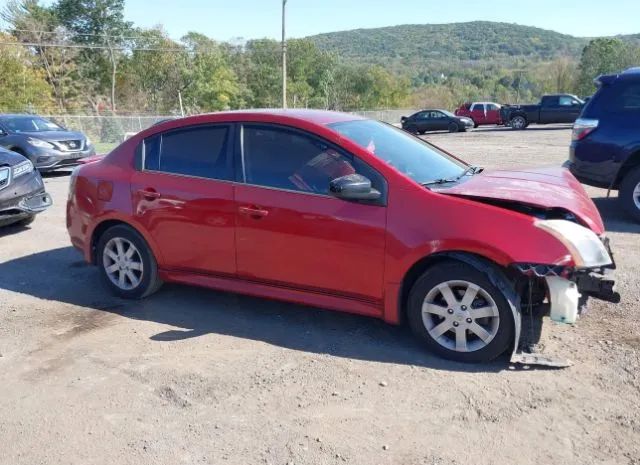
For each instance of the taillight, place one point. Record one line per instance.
(583, 127)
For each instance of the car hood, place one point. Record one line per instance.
(546, 188)
(8, 158)
(54, 136)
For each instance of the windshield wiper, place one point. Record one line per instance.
(470, 170)
(438, 181)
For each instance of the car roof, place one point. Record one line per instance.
(322, 117)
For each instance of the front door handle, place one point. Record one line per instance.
(253, 212)
(149, 194)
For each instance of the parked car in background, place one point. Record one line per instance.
(557, 108)
(605, 150)
(48, 145)
(340, 212)
(435, 120)
(22, 193)
(482, 113)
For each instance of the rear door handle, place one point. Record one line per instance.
(253, 212)
(149, 194)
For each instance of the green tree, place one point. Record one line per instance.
(96, 21)
(602, 56)
(23, 87)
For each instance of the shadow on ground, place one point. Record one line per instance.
(614, 217)
(65, 278)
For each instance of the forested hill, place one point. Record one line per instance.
(407, 45)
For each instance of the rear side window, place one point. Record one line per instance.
(197, 151)
(626, 99)
(492, 107)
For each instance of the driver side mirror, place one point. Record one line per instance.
(353, 187)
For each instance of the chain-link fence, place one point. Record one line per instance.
(111, 130)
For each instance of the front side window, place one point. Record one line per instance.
(566, 101)
(290, 160)
(478, 107)
(409, 155)
(29, 124)
(196, 151)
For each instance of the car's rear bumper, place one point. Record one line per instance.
(599, 174)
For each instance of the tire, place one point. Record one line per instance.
(422, 133)
(475, 125)
(496, 332)
(453, 127)
(140, 271)
(27, 221)
(629, 194)
(519, 122)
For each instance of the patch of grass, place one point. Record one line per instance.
(104, 147)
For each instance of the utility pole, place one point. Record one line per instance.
(284, 56)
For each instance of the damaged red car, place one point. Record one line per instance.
(344, 213)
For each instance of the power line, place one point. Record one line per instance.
(92, 46)
(75, 34)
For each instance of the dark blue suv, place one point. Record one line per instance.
(605, 150)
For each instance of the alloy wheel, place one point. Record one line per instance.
(460, 316)
(518, 122)
(636, 196)
(122, 263)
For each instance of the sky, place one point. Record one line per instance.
(250, 19)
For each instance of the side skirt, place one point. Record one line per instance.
(310, 297)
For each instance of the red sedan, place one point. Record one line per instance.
(336, 211)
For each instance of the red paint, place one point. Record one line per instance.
(313, 249)
(481, 113)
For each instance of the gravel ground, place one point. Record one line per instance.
(197, 376)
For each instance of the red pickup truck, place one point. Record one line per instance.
(482, 113)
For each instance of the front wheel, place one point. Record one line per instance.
(453, 127)
(630, 193)
(127, 263)
(459, 314)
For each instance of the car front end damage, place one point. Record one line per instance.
(22, 193)
(562, 291)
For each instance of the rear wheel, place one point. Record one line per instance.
(630, 193)
(127, 263)
(519, 122)
(459, 314)
(475, 125)
(453, 127)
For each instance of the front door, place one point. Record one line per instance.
(183, 198)
(291, 232)
(478, 113)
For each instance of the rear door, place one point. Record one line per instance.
(291, 232)
(182, 196)
(550, 110)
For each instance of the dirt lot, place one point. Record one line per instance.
(197, 376)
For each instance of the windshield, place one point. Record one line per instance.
(29, 124)
(410, 155)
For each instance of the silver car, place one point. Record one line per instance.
(48, 145)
